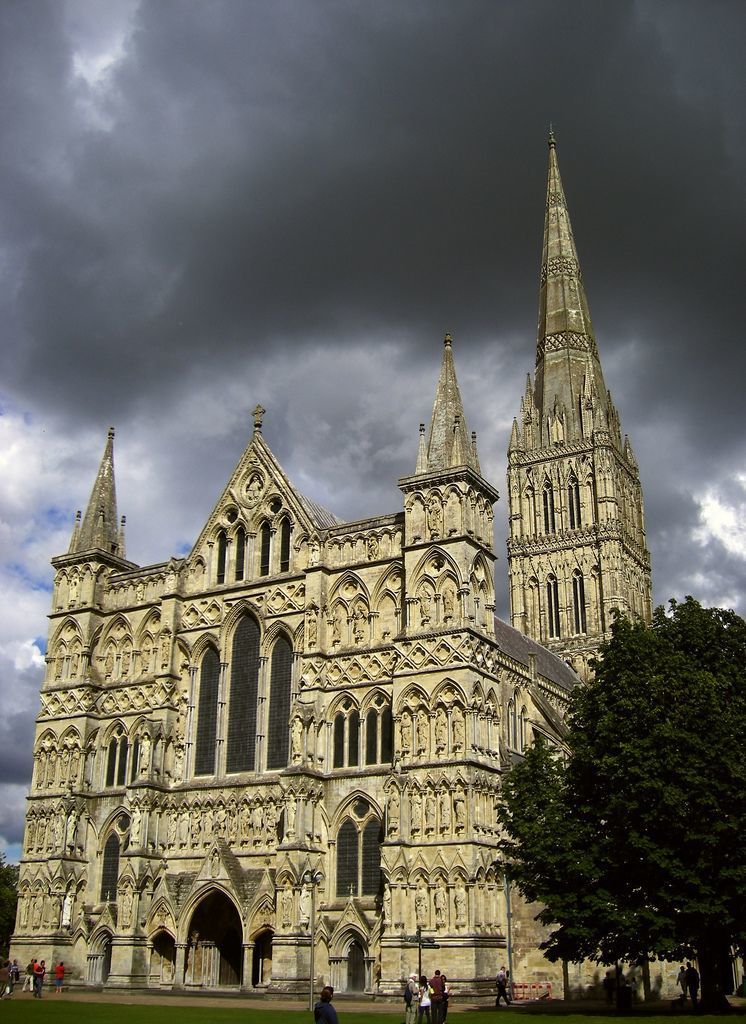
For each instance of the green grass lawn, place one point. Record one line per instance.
(61, 1011)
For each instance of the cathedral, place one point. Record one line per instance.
(277, 760)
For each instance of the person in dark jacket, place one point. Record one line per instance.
(323, 1011)
(692, 983)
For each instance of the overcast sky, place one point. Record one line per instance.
(206, 205)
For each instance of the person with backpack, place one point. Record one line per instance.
(502, 987)
(411, 999)
(323, 1011)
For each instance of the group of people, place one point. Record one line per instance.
(426, 1000)
(36, 971)
(688, 981)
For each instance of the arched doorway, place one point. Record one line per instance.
(355, 967)
(261, 961)
(214, 949)
(99, 960)
(162, 959)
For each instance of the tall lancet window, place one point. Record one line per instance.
(548, 496)
(110, 869)
(240, 552)
(222, 548)
(207, 714)
(278, 729)
(578, 602)
(285, 545)
(264, 550)
(553, 614)
(573, 502)
(241, 748)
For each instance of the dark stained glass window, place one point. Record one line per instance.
(110, 869)
(264, 539)
(339, 740)
(578, 600)
(122, 765)
(241, 748)
(111, 763)
(240, 552)
(135, 760)
(573, 502)
(387, 735)
(278, 730)
(353, 739)
(371, 737)
(553, 615)
(371, 857)
(285, 545)
(221, 557)
(207, 714)
(347, 859)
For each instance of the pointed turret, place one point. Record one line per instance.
(449, 436)
(100, 528)
(421, 466)
(565, 344)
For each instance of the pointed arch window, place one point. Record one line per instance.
(548, 501)
(285, 546)
(222, 551)
(207, 714)
(531, 510)
(578, 602)
(346, 740)
(241, 746)
(371, 859)
(573, 502)
(347, 858)
(240, 553)
(379, 733)
(553, 614)
(111, 762)
(278, 742)
(265, 537)
(110, 869)
(135, 760)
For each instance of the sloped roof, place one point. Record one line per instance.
(519, 647)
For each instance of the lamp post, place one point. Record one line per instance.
(312, 879)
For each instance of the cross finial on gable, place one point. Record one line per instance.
(258, 417)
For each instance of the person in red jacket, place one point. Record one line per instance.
(59, 977)
(40, 969)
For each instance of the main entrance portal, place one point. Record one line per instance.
(214, 952)
(356, 968)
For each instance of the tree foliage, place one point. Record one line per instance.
(8, 902)
(633, 838)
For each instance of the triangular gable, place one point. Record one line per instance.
(256, 480)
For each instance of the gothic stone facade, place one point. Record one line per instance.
(299, 727)
(281, 755)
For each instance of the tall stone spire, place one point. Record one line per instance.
(449, 443)
(577, 549)
(565, 345)
(100, 528)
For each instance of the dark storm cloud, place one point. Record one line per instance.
(205, 205)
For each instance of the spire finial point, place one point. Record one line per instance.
(258, 417)
(422, 429)
(552, 140)
(111, 433)
(448, 340)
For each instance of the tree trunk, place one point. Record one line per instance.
(646, 980)
(712, 995)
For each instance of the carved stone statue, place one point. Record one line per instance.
(444, 806)
(457, 728)
(459, 810)
(386, 906)
(416, 815)
(135, 827)
(304, 907)
(406, 732)
(422, 731)
(429, 812)
(434, 518)
(392, 815)
(459, 900)
(67, 909)
(287, 907)
(441, 731)
(424, 607)
(145, 748)
(440, 901)
(420, 907)
(125, 908)
(296, 736)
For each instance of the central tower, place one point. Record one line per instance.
(576, 548)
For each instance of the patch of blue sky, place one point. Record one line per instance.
(28, 579)
(184, 547)
(54, 516)
(41, 643)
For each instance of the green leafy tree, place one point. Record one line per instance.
(8, 902)
(633, 838)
